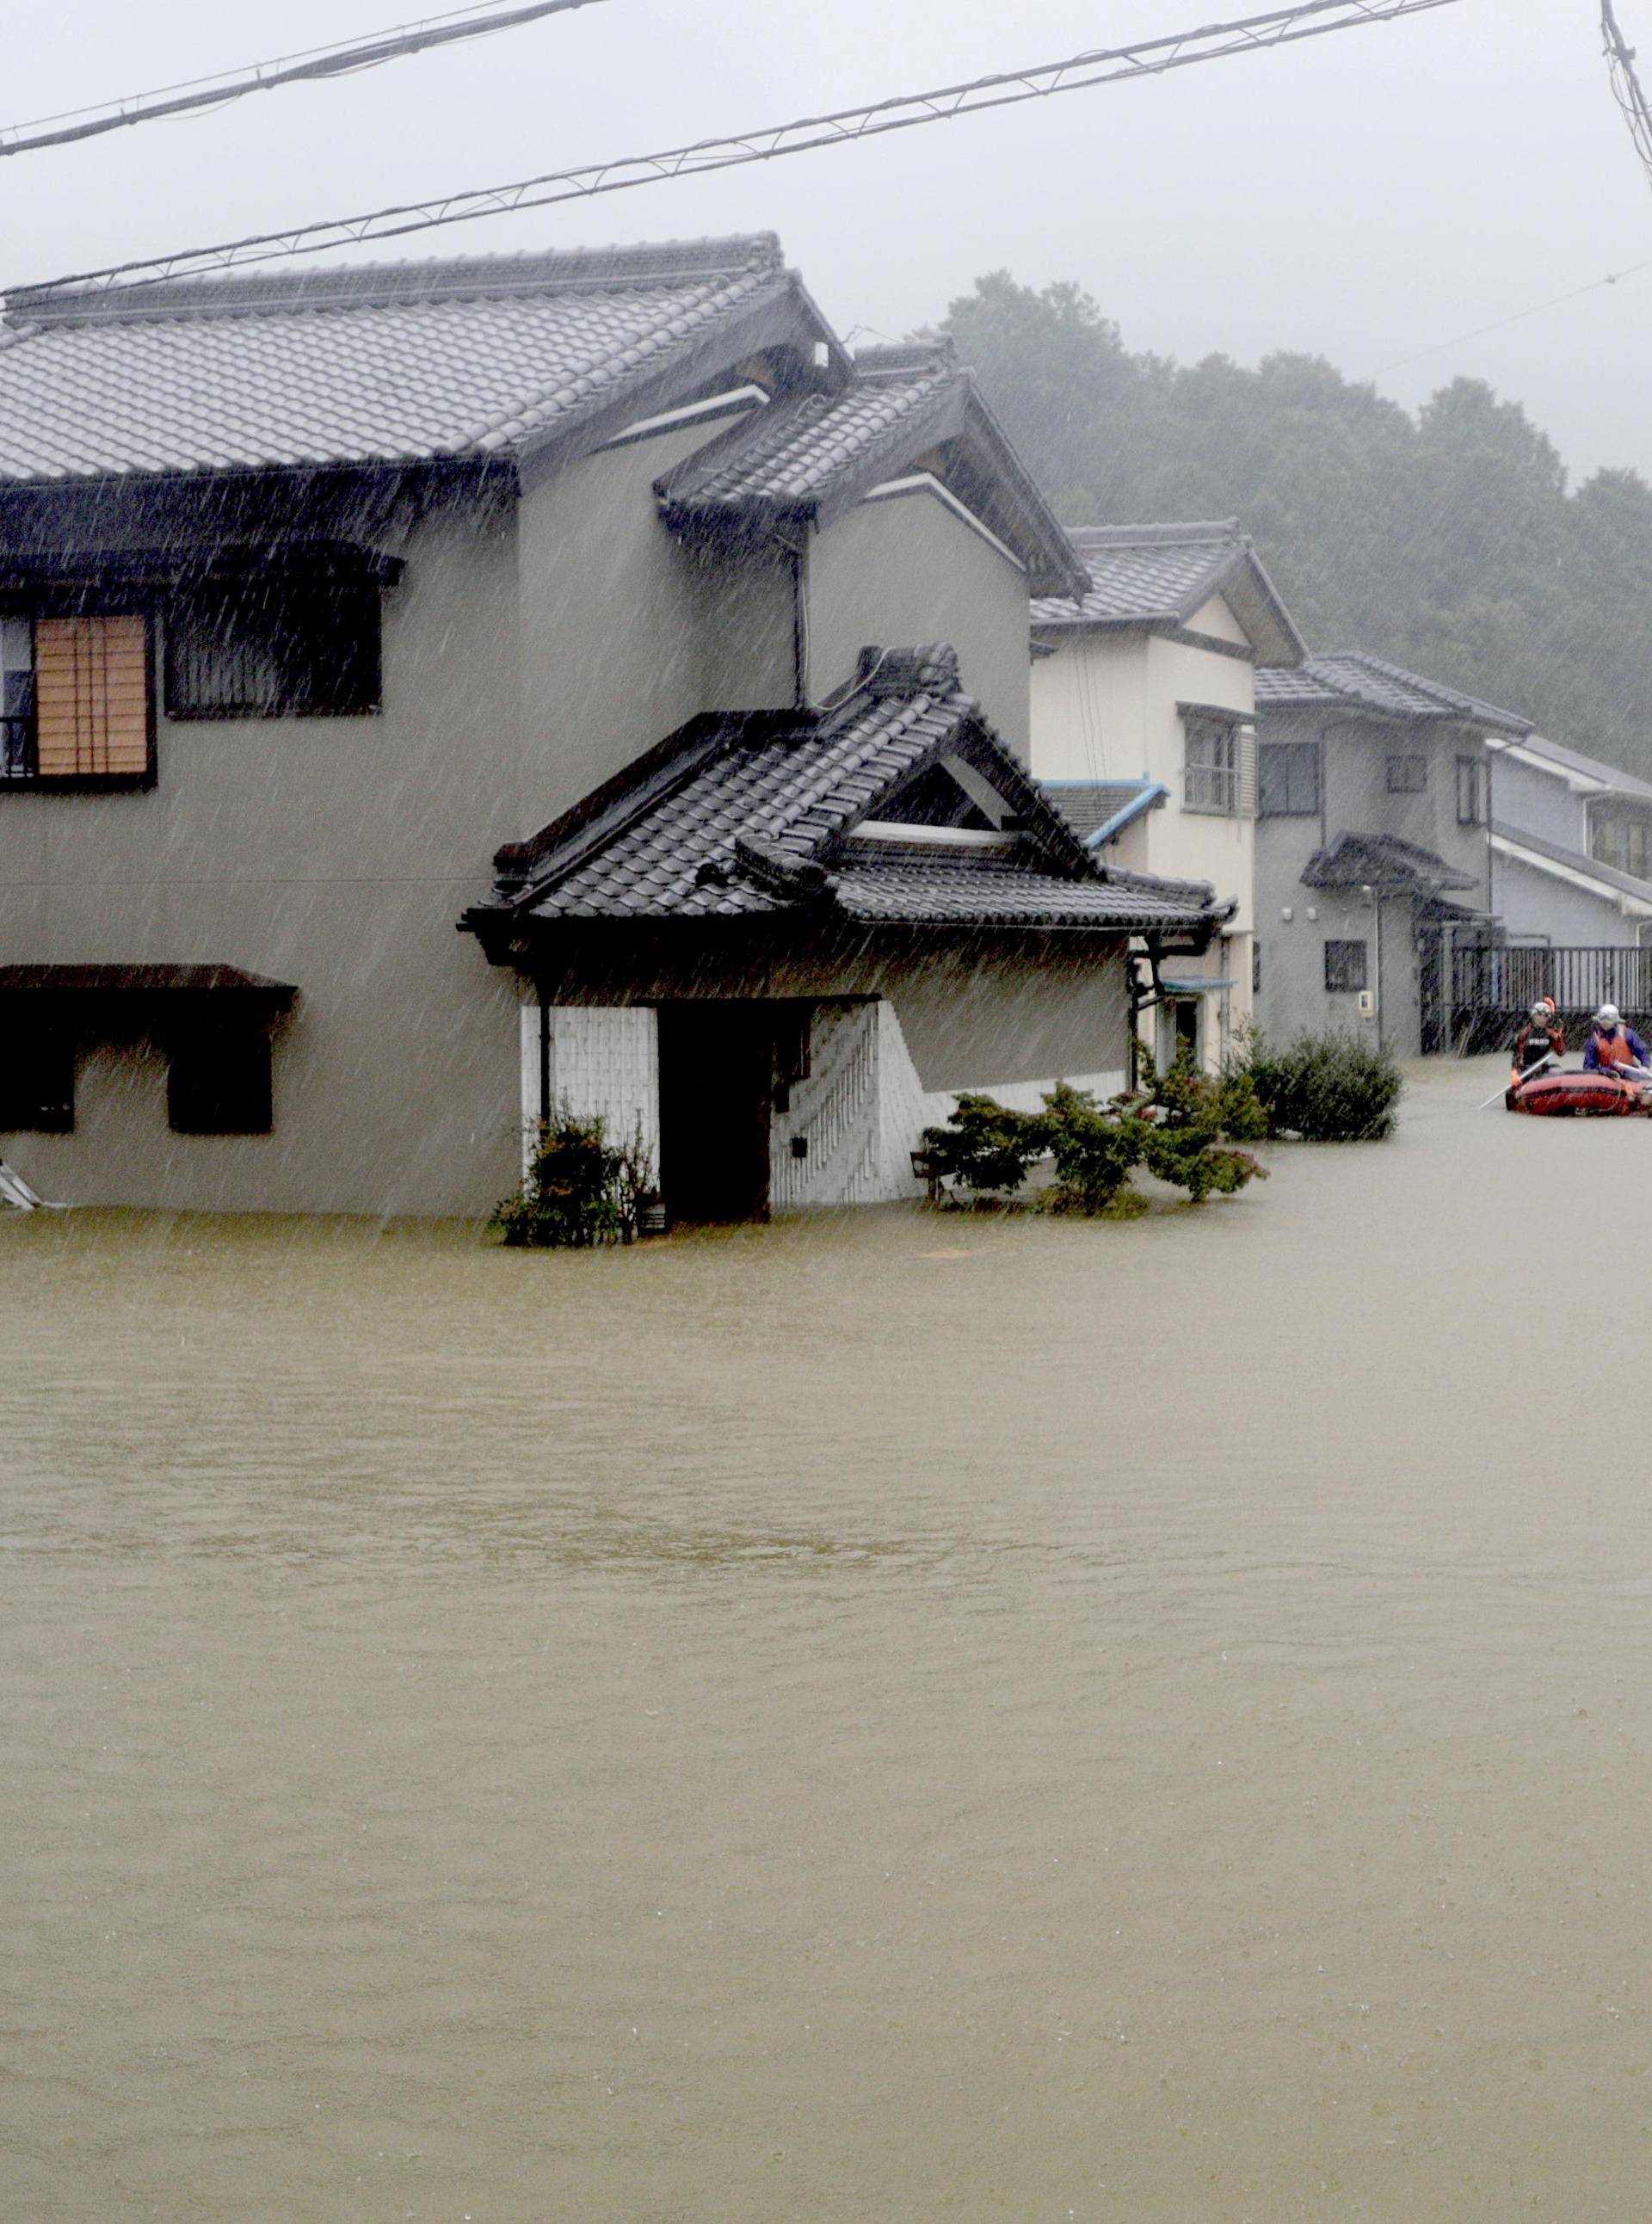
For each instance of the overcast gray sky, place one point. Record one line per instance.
(1363, 196)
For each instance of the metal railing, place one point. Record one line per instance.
(1493, 989)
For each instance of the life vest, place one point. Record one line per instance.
(1613, 1049)
(1536, 1042)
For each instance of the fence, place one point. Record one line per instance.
(1492, 989)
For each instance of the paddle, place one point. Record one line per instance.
(1531, 1074)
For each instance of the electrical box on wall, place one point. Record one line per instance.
(1368, 1004)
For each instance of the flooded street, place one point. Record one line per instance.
(886, 1717)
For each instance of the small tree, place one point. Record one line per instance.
(985, 1146)
(579, 1189)
(1093, 1150)
(1193, 1122)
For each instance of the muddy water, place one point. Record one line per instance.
(879, 1719)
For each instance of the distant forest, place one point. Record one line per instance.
(1448, 540)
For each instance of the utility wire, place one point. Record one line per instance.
(314, 62)
(1502, 324)
(1277, 26)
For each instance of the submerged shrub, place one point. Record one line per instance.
(1334, 1088)
(579, 1189)
(1093, 1150)
(1192, 1122)
(985, 1145)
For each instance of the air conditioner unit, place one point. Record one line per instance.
(1367, 1003)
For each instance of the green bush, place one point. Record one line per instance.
(1192, 1121)
(579, 1189)
(1093, 1151)
(1335, 1088)
(985, 1145)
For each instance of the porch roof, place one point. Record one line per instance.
(757, 814)
(1383, 861)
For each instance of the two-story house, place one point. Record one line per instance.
(318, 592)
(1144, 708)
(1375, 861)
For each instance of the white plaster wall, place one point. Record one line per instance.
(605, 1063)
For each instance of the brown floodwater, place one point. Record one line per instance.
(883, 1717)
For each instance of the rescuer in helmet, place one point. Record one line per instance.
(1612, 1046)
(1541, 1041)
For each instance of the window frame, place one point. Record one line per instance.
(1225, 730)
(1345, 945)
(1281, 756)
(35, 605)
(1411, 767)
(1473, 790)
(180, 695)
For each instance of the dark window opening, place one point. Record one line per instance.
(1256, 968)
(1288, 776)
(273, 647)
(218, 1083)
(1626, 843)
(1345, 966)
(1407, 775)
(1473, 788)
(36, 1083)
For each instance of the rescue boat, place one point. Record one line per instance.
(1600, 1096)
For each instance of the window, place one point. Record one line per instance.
(1624, 843)
(1345, 966)
(273, 647)
(1473, 789)
(1407, 775)
(36, 1081)
(218, 1083)
(1289, 779)
(1256, 969)
(75, 700)
(1211, 767)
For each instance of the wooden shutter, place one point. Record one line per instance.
(92, 697)
(1247, 770)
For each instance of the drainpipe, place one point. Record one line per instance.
(544, 1053)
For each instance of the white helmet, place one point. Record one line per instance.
(1609, 1016)
(1539, 1010)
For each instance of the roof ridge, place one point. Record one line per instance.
(1157, 536)
(404, 284)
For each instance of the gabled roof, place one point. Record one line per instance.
(753, 814)
(1353, 680)
(1585, 775)
(1157, 578)
(1381, 861)
(490, 357)
(806, 457)
(1632, 896)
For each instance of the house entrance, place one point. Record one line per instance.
(717, 1064)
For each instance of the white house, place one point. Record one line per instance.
(1143, 703)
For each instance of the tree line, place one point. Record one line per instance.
(1449, 540)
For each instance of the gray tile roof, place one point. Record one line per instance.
(793, 455)
(1140, 572)
(1369, 683)
(749, 814)
(1609, 877)
(1570, 760)
(810, 456)
(1355, 861)
(1087, 805)
(470, 358)
(1164, 575)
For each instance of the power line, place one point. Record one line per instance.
(1277, 26)
(1626, 85)
(445, 30)
(1502, 324)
